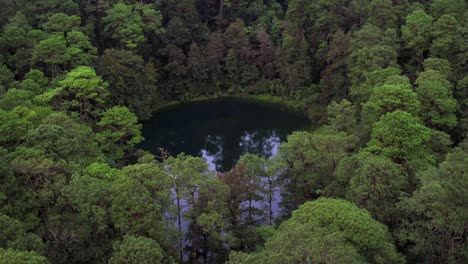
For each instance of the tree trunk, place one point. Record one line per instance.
(221, 9)
(270, 201)
(179, 225)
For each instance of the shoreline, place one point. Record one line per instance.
(260, 98)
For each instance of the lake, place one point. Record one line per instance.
(221, 130)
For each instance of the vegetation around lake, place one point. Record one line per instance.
(378, 173)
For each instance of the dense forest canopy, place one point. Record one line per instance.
(383, 180)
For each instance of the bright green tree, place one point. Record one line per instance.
(327, 231)
(129, 22)
(136, 250)
(389, 98)
(84, 92)
(402, 137)
(118, 132)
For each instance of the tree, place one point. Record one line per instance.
(80, 51)
(334, 76)
(127, 27)
(327, 230)
(198, 67)
(132, 80)
(49, 54)
(388, 98)
(84, 92)
(191, 183)
(215, 52)
(13, 129)
(417, 33)
(54, 141)
(309, 160)
(21, 257)
(264, 52)
(6, 79)
(118, 132)
(372, 50)
(454, 8)
(402, 137)
(383, 13)
(239, 217)
(448, 40)
(129, 23)
(255, 167)
(390, 75)
(15, 236)
(34, 81)
(140, 200)
(434, 220)
(17, 43)
(342, 116)
(61, 23)
(15, 97)
(80, 135)
(176, 70)
(375, 183)
(437, 103)
(16, 200)
(89, 195)
(137, 249)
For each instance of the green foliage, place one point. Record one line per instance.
(327, 230)
(127, 28)
(132, 80)
(118, 131)
(435, 214)
(376, 78)
(342, 116)
(402, 137)
(53, 140)
(34, 81)
(21, 257)
(6, 78)
(437, 103)
(373, 182)
(13, 235)
(12, 128)
(309, 161)
(139, 200)
(388, 98)
(61, 23)
(84, 92)
(128, 23)
(135, 250)
(417, 31)
(15, 97)
(74, 186)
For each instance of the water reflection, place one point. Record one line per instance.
(221, 130)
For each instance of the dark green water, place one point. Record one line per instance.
(222, 130)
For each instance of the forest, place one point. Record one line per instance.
(383, 179)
